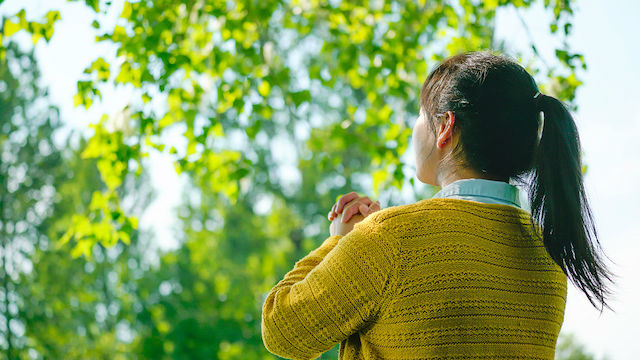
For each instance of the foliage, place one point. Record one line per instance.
(282, 106)
(568, 348)
(37, 30)
(337, 76)
(82, 308)
(28, 161)
(52, 305)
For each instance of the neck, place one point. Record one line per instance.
(450, 177)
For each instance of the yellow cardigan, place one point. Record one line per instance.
(442, 278)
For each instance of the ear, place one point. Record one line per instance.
(445, 130)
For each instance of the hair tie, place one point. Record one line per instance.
(536, 99)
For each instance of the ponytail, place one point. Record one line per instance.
(489, 91)
(559, 204)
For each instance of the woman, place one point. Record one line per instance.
(466, 274)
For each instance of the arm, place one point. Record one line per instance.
(331, 293)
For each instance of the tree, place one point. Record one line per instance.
(28, 159)
(336, 76)
(82, 307)
(48, 299)
(282, 105)
(203, 300)
(568, 348)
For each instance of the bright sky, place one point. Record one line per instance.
(608, 121)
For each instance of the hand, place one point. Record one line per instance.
(356, 210)
(364, 205)
(337, 227)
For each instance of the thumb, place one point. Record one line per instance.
(364, 209)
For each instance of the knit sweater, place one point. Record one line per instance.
(442, 278)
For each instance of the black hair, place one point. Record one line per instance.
(497, 108)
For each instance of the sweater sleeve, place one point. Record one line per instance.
(330, 294)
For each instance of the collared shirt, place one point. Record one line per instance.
(482, 190)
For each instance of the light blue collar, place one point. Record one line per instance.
(482, 190)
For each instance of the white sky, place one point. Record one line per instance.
(608, 121)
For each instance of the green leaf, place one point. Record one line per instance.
(264, 88)
(126, 10)
(10, 27)
(77, 100)
(379, 177)
(300, 97)
(253, 130)
(94, 4)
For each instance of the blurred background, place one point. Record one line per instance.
(165, 163)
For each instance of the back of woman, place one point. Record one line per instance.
(465, 275)
(471, 281)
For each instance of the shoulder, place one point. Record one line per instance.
(401, 213)
(430, 214)
(385, 231)
(439, 208)
(402, 218)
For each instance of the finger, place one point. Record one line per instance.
(364, 209)
(345, 212)
(349, 211)
(364, 199)
(344, 200)
(332, 212)
(356, 206)
(374, 207)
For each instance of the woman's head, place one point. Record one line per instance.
(489, 100)
(480, 116)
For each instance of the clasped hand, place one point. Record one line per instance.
(348, 211)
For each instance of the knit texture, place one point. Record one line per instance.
(438, 279)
